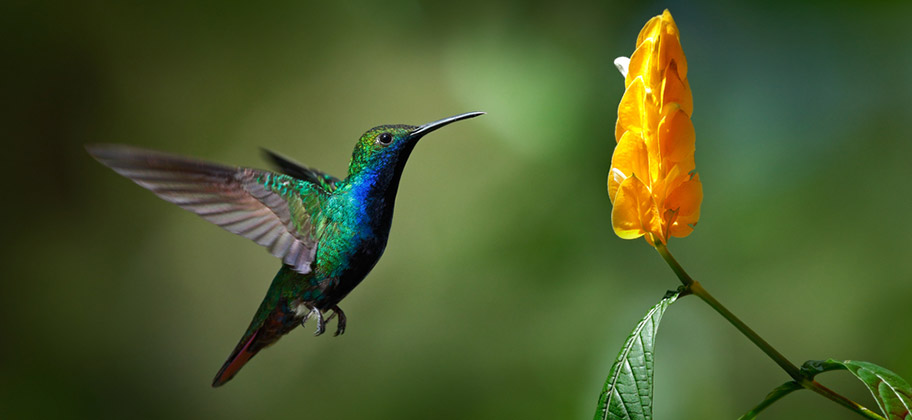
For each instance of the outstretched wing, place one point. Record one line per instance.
(271, 209)
(295, 169)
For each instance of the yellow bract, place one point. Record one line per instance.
(652, 183)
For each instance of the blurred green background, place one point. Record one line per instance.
(503, 292)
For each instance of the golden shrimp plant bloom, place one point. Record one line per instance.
(653, 185)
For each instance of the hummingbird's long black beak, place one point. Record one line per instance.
(431, 126)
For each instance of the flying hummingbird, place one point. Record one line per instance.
(329, 233)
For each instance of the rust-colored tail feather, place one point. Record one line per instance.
(236, 361)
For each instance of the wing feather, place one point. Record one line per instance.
(262, 206)
(295, 169)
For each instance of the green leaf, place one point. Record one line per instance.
(893, 394)
(812, 368)
(627, 393)
(775, 395)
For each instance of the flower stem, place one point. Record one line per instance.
(696, 288)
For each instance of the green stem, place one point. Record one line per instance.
(697, 289)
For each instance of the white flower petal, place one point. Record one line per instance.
(622, 63)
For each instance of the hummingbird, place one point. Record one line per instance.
(329, 233)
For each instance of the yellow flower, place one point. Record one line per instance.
(652, 183)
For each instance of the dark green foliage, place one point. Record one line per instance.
(892, 393)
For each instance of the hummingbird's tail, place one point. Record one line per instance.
(239, 357)
(273, 319)
(268, 326)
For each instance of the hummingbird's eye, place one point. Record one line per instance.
(385, 138)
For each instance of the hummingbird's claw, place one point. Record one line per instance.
(340, 325)
(321, 324)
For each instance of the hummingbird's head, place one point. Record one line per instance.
(387, 147)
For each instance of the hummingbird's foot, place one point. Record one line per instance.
(340, 326)
(321, 324)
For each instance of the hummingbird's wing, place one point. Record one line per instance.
(273, 210)
(295, 169)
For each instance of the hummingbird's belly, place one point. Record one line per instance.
(347, 272)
